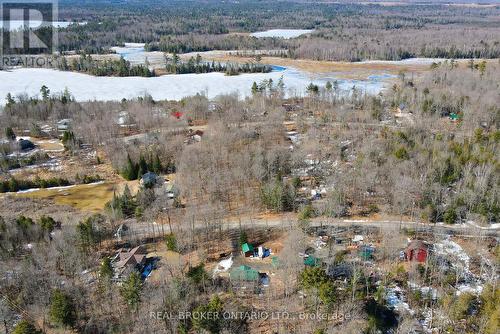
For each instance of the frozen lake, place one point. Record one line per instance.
(282, 33)
(33, 24)
(173, 87)
(135, 54)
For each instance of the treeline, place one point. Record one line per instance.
(14, 185)
(197, 65)
(109, 67)
(135, 170)
(15, 104)
(202, 42)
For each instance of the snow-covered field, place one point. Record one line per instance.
(174, 87)
(408, 61)
(282, 33)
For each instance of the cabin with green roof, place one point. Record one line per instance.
(247, 249)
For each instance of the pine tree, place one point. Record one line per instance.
(131, 290)
(45, 91)
(255, 88)
(157, 168)
(62, 310)
(328, 86)
(9, 133)
(143, 167)
(131, 170)
(106, 270)
(10, 100)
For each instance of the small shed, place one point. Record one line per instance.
(244, 273)
(417, 250)
(247, 249)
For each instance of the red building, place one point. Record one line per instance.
(417, 250)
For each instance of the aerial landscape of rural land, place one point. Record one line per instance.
(249, 166)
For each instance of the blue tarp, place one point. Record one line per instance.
(147, 270)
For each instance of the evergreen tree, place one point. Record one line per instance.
(106, 270)
(210, 324)
(312, 89)
(9, 133)
(62, 310)
(243, 239)
(10, 100)
(143, 167)
(255, 88)
(328, 86)
(88, 233)
(157, 168)
(131, 170)
(131, 290)
(45, 91)
(66, 96)
(47, 223)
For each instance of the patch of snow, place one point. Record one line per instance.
(282, 33)
(12, 25)
(357, 238)
(492, 226)
(27, 190)
(52, 165)
(409, 61)
(470, 288)
(452, 250)
(61, 188)
(426, 291)
(223, 266)
(395, 299)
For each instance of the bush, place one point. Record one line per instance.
(306, 213)
(450, 216)
(401, 153)
(197, 274)
(171, 242)
(25, 327)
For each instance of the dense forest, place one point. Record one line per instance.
(343, 31)
(198, 65)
